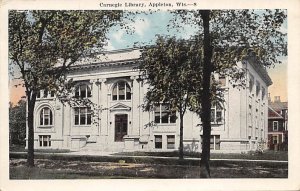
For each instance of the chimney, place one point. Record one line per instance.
(277, 99)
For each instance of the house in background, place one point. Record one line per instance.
(278, 124)
(116, 121)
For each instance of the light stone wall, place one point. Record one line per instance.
(234, 131)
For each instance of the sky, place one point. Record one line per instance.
(144, 30)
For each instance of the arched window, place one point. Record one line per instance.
(83, 91)
(121, 91)
(46, 117)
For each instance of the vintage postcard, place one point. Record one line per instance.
(191, 95)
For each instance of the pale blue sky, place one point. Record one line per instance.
(145, 28)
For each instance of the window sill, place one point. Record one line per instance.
(45, 98)
(215, 124)
(128, 100)
(82, 125)
(46, 126)
(165, 124)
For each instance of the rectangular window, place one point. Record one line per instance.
(163, 114)
(222, 80)
(45, 140)
(38, 94)
(214, 142)
(158, 141)
(45, 93)
(275, 139)
(216, 114)
(217, 142)
(170, 141)
(82, 116)
(52, 93)
(275, 125)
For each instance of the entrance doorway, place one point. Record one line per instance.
(121, 126)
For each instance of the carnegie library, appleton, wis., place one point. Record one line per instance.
(116, 121)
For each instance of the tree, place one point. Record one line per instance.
(43, 45)
(167, 67)
(17, 123)
(230, 36)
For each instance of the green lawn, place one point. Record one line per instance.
(61, 169)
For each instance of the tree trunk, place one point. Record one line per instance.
(30, 122)
(205, 99)
(181, 137)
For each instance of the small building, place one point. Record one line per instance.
(116, 121)
(278, 125)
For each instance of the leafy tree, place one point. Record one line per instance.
(167, 67)
(17, 123)
(230, 36)
(43, 45)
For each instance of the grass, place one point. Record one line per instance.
(61, 169)
(21, 148)
(267, 155)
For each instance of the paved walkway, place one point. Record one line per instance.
(115, 155)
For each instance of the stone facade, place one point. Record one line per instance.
(118, 123)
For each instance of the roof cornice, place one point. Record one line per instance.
(259, 69)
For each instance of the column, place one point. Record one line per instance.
(103, 104)
(135, 119)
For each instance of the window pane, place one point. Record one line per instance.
(46, 121)
(51, 118)
(170, 141)
(41, 140)
(158, 141)
(76, 120)
(128, 92)
(158, 138)
(83, 91)
(42, 117)
(165, 117)
(46, 111)
(89, 119)
(219, 116)
(128, 96)
(115, 92)
(89, 94)
(121, 90)
(212, 113)
(211, 142)
(82, 120)
(157, 117)
(222, 80)
(77, 92)
(217, 142)
(173, 117)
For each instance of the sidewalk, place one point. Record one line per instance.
(114, 155)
